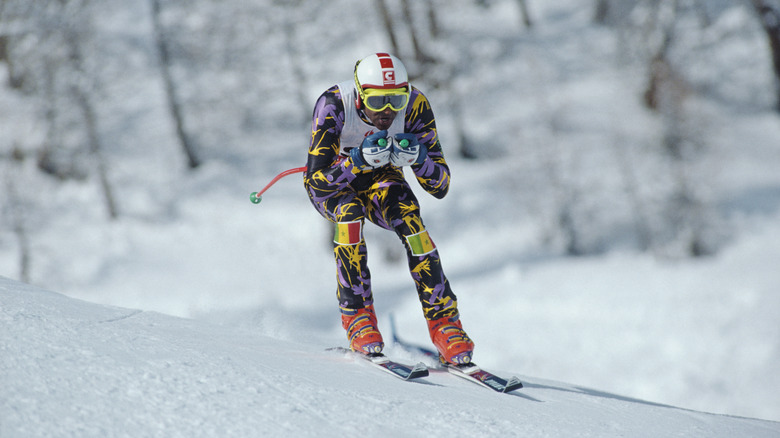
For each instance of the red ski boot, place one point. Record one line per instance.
(451, 341)
(362, 330)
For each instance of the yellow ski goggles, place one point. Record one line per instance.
(377, 99)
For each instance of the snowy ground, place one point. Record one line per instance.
(73, 368)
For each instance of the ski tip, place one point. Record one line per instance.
(512, 384)
(419, 370)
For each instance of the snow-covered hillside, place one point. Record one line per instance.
(70, 368)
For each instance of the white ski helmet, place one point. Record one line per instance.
(380, 70)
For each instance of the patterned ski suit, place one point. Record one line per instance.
(347, 196)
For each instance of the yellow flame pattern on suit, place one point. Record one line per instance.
(351, 257)
(424, 267)
(414, 222)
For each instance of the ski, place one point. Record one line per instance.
(473, 373)
(397, 369)
(470, 372)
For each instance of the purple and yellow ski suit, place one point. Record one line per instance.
(347, 196)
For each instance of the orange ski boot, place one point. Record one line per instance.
(362, 332)
(451, 341)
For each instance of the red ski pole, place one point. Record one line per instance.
(256, 197)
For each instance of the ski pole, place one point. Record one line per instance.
(256, 197)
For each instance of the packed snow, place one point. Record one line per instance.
(206, 315)
(74, 368)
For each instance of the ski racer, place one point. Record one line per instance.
(364, 131)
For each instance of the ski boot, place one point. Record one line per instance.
(362, 332)
(451, 341)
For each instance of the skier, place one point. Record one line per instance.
(364, 131)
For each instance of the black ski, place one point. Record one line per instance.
(470, 372)
(473, 373)
(397, 369)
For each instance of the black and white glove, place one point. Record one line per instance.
(407, 150)
(373, 152)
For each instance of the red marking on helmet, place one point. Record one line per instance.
(384, 57)
(388, 71)
(389, 77)
(385, 61)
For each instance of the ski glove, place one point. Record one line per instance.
(373, 152)
(407, 150)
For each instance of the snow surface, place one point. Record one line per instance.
(256, 282)
(74, 368)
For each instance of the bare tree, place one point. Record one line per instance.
(601, 11)
(387, 20)
(408, 25)
(174, 105)
(294, 55)
(96, 149)
(769, 13)
(668, 93)
(14, 79)
(14, 206)
(419, 53)
(433, 20)
(58, 68)
(81, 90)
(525, 16)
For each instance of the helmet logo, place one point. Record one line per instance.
(389, 77)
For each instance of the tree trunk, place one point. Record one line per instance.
(419, 54)
(524, 15)
(296, 68)
(95, 149)
(770, 20)
(14, 80)
(82, 98)
(170, 89)
(387, 21)
(466, 148)
(18, 224)
(602, 11)
(433, 21)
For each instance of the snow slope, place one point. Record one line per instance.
(70, 368)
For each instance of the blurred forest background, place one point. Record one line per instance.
(105, 92)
